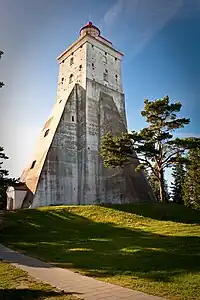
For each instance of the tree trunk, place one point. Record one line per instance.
(162, 186)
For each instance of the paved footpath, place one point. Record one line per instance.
(81, 286)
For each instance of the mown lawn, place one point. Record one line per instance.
(16, 284)
(150, 248)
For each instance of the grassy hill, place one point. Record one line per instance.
(151, 248)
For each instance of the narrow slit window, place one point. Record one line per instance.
(106, 71)
(46, 132)
(105, 76)
(80, 67)
(71, 78)
(105, 53)
(33, 164)
(105, 59)
(71, 61)
(115, 58)
(72, 118)
(62, 79)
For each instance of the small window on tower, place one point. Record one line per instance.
(106, 71)
(105, 53)
(92, 64)
(62, 79)
(105, 59)
(71, 77)
(46, 132)
(115, 58)
(105, 76)
(80, 67)
(72, 118)
(33, 164)
(71, 61)
(116, 76)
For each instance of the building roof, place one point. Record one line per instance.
(19, 186)
(90, 25)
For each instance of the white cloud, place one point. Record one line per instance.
(113, 12)
(153, 16)
(117, 9)
(146, 18)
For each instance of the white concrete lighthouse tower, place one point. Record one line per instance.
(66, 167)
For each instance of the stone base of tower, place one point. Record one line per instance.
(69, 170)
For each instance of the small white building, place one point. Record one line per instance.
(16, 196)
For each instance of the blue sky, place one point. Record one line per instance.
(160, 40)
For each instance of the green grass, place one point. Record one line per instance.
(16, 284)
(150, 248)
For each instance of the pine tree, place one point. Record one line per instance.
(154, 145)
(3, 179)
(167, 194)
(191, 186)
(178, 173)
(154, 183)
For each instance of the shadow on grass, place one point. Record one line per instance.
(28, 294)
(100, 249)
(163, 212)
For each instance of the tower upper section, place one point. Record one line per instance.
(90, 57)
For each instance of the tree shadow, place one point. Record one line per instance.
(163, 212)
(98, 249)
(29, 294)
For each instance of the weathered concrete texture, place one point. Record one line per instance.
(73, 171)
(111, 185)
(63, 175)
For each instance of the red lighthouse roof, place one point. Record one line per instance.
(90, 25)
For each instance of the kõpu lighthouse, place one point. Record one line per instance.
(66, 167)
